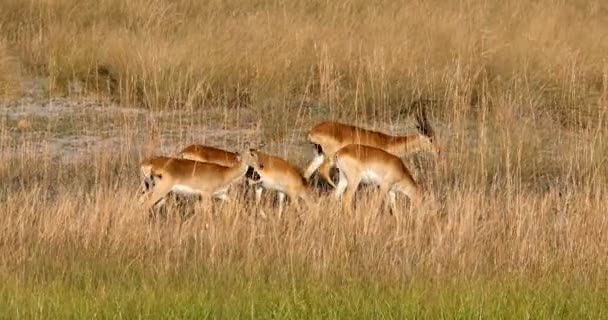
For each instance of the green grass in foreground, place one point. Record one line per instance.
(89, 292)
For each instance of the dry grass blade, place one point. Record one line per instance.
(517, 207)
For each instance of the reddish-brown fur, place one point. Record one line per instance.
(331, 136)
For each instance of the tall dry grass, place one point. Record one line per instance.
(10, 72)
(344, 58)
(521, 90)
(505, 198)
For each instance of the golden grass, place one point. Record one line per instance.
(508, 199)
(10, 72)
(351, 57)
(522, 90)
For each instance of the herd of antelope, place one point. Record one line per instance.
(360, 156)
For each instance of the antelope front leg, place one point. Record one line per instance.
(392, 202)
(314, 165)
(258, 195)
(342, 184)
(281, 201)
(258, 189)
(157, 198)
(324, 172)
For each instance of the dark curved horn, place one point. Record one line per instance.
(423, 124)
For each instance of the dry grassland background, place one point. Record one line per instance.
(514, 224)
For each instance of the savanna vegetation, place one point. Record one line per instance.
(513, 224)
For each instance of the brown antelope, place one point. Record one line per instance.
(209, 154)
(370, 165)
(162, 175)
(279, 175)
(328, 137)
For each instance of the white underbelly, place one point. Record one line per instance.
(370, 177)
(269, 185)
(185, 190)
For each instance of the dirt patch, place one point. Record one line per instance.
(75, 129)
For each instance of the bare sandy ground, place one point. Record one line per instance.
(76, 128)
(70, 129)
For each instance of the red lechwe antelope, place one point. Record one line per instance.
(209, 154)
(279, 175)
(162, 175)
(369, 165)
(329, 137)
(203, 153)
(274, 172)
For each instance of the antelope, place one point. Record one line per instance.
(279, 175)
(162, 175)
(328, 137)
(204, 153)
(370, 165)
(210, 154)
